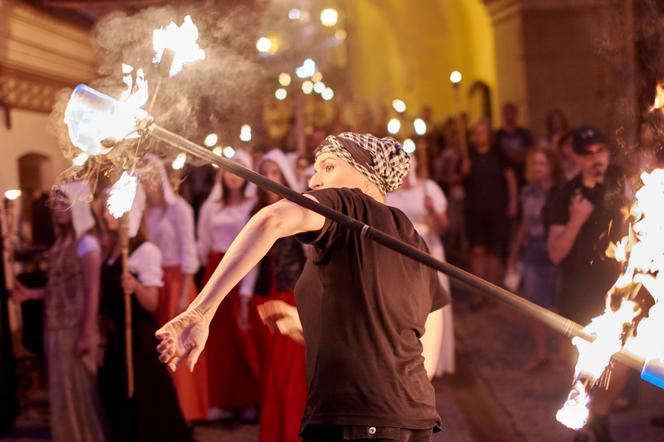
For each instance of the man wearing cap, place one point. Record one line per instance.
(362, 309)
(585, 215)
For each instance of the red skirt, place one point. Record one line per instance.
(232, 360)
(192, 388)
(284, 385)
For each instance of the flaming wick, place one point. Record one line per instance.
(122, 195)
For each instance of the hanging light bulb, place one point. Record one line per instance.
(393, 126)
(319, 87)
(211, 140)
(329, 17)
(327, 94)
(409, 145)
(245, 133)
(229, 152)
(263, 45)
(307, 87)
(284, 79)
(399, 105)
(420, 126)
(281, 93)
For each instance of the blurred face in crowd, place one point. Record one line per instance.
(556, 122)
(540, 167)
(509, 115)
(331, 171)
(232, 181)
(481, 135)
(271, 170)
(595, 161)
(153, 191)
(60, 206)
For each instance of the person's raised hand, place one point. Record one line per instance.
(182, 338)
(580, 209)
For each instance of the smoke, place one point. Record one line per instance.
(217, 94)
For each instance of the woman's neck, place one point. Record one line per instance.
(545, 183)
(235, 198)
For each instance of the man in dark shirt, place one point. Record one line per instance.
(585, 216)
(362, 308)
(514, 141)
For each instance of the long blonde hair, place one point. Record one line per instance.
(554, 163)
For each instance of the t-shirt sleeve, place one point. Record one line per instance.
(437, 196)
(332, 199)
(184, 224)
(439, 296)
(87, 244)
(557, 212)
(145, 262)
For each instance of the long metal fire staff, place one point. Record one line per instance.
(653, 371)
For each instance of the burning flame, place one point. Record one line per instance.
(182, 40)
(122, 195)
(96, 122)
(659, 98)
(574, 413)
(641, 254)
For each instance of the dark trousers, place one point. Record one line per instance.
(341, 433)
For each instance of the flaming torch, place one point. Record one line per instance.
(119, 204)
(455, 79)
(641, 254)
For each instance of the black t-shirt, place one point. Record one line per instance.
(513, 144)
(363, 308)
(587, 265)
(486, 185)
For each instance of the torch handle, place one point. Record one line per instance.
(461, 129)
(129, 353)
(553, 320)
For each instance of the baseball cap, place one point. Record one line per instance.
(586, 136)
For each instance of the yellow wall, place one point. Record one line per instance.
(407, 49)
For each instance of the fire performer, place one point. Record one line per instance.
(363, 308)
(585, 217)
(153, 413)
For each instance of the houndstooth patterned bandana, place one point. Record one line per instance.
(388, 164)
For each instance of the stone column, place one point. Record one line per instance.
(569, 54)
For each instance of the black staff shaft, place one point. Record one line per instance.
(553, 320)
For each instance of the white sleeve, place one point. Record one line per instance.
(87, 244)
(204, 243)
(184, 224)
(248, 283)
(437, 195)
(146, 262)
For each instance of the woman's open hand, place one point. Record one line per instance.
(183, 337)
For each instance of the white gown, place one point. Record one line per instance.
(411, 202)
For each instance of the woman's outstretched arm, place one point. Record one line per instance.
(185, 335)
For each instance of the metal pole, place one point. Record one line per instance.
(553, 320)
